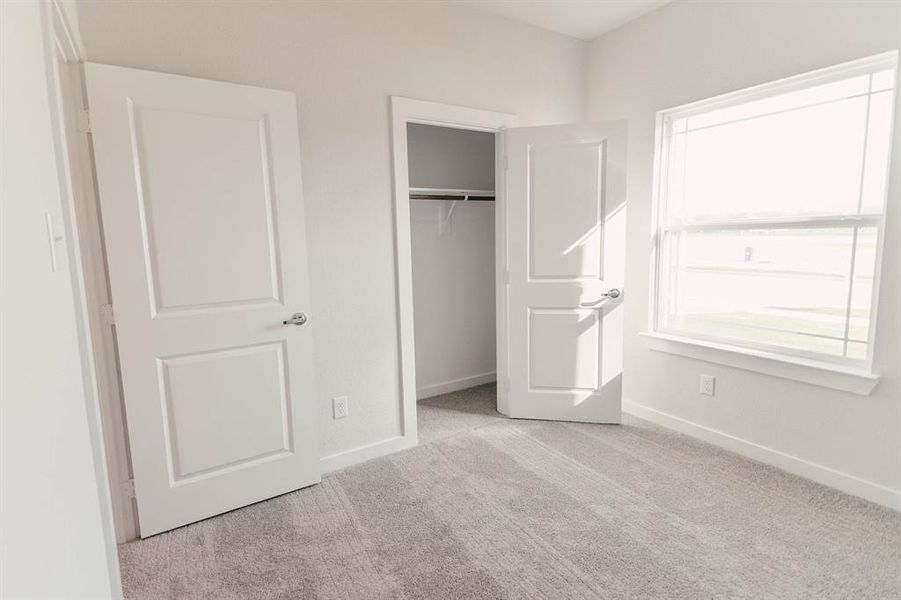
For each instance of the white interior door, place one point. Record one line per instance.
(202, 208)
(566, 194)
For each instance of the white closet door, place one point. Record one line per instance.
(202, 210)
(566, 198)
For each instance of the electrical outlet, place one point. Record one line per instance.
(708, 385)
(339, 407)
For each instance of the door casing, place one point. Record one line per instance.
(65, 55)
(404, 111)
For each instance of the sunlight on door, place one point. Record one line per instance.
(567, 195)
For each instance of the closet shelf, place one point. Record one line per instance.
(417, 193)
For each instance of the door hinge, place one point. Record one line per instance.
(84, 121)
(507, 277)
(506, 163)
(109, 317)
(128, 488)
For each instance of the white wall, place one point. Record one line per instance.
(688, 51)
(443, 157)
(56, 536)
(344, 60)
(453, 296)
(453, 260)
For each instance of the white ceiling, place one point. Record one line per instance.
(583, 19)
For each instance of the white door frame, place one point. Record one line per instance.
(71, 105)
(404, 111)
(66, 54)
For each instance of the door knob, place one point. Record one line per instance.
(296, 319)
(608, 295)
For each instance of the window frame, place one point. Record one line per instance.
(663, 135)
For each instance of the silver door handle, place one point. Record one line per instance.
(608, 295)
(296, 319)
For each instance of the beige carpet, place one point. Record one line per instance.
(487, 507)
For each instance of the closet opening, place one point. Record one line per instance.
(452, 272)
(451, 179)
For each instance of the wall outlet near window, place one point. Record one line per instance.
(708, 385)
(339, 407)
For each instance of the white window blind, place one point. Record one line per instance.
(769, 213)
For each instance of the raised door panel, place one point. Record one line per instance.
(218, 184)
(566, 211)
(225, 410)
(564, 349)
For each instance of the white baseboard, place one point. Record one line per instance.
(844, 482)
(436, 389)
(354, 456)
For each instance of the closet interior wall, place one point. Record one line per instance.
(453, 249)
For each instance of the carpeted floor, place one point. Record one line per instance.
(488, 507)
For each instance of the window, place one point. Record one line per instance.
(770, 207)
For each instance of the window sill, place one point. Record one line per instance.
(823, 374)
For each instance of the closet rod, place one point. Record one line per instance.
(450, 194)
